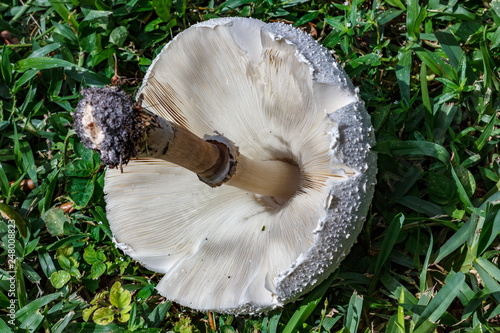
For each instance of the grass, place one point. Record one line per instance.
(427, 259)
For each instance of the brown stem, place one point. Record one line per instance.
(106, 121)
(175, 144)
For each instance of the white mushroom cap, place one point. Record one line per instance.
(277, 95)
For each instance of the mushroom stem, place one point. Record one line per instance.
(175, 144)
(274, 178)
(106, 121)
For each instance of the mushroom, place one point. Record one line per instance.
(266, 118)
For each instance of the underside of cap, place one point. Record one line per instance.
(278, 95)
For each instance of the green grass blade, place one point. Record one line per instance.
(485, 135)
(420, 206)
(474, 303)
(489, 267)
(461, 191)
(307, 306)
(64, 12)
(273, 323)
(4, 327)
(458, 239)
(438, 305)
(14, 215)
(487, 279)
(6, 68)
(450, 46)
(396, 3)
(412, 23)
(426, 327)
(403, 70)
(61, 324)
(401, 313)
(387, 245)
(158, 314)
(28, 161)
(423, 273)
(490, 230)
(35, 305)
(4, 182)
(411, 147)
(424, 90)
(354, 312)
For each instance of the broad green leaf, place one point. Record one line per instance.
(124, 317)
(97, 270)
(119, 297)
(415, 16)
(88, 312)
(81, 190)
(59, 279)
(445, 116)
(431, 60)
(90, 256)
(103, 316)
(495, 4)
(118, 36)
(441, 188)
(388, 15)
(31, 323)
(54, 220)
(96, 14)
(466, 179)
(450, 47)
(162, 9)
(461, 191)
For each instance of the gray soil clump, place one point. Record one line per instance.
(107, 120)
